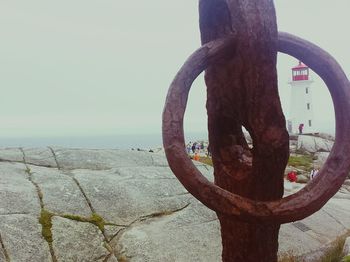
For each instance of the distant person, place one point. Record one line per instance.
(313, 173)
(189, 147)
(194, 147)
(301, 127)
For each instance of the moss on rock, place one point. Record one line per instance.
(45, 220)
(95, 219)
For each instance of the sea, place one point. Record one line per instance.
(125, 141)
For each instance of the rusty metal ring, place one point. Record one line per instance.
(294, 207)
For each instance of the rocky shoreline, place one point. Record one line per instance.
(61, 204)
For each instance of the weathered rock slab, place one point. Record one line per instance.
(339, 209)
(127, 194)
(39, 157)
(314, 144)
(60, 193)
(11, 154)
(18, 195)
(77, 241)
(321, 158)
(96, 159)
(302, 179)
(153, 217)
(111, 231)
(296, 242)
(193, 231)
(324, 224)
(21, 236)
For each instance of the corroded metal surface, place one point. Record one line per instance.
(294, 207)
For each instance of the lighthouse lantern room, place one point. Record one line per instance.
(300, 72)
(301, 107)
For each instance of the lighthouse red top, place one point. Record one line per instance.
(300, 72)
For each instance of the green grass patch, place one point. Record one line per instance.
(302, 162)
(28, 171)
(95, 219)
(206, 160)
(45, 220)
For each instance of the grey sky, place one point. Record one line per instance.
(103, 67)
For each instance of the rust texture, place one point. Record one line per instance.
(294, 207)
(240, 44)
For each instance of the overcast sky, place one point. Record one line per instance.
(103, 67)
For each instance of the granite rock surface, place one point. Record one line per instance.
(62, 204)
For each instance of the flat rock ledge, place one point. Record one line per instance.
(60, 204)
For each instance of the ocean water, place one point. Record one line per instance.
(142, 141)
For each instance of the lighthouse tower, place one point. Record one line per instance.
(301, 108)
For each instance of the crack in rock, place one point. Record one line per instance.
(95, 219)
(153, 162)
(7, 257)
(68, 174)
(154, 215)
(11, 161)
(15, 213)
(77, 218)
(35, 164)
(38, 190)
(206, 167)
(70, 227)
(28, 162)
(335, 219)
(40, 196)
(48, 220)
(177, 195)
(84, 194)
(121, 255)
(54, 157)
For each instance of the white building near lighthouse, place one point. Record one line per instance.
(301, 107)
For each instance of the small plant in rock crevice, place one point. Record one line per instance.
(45, 220)
(333, 254)
(95, 219)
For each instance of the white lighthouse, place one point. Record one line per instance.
(301, 108)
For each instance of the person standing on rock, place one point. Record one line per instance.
(301, 127)
(189, 147)
(194, 147)
(313, 173)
